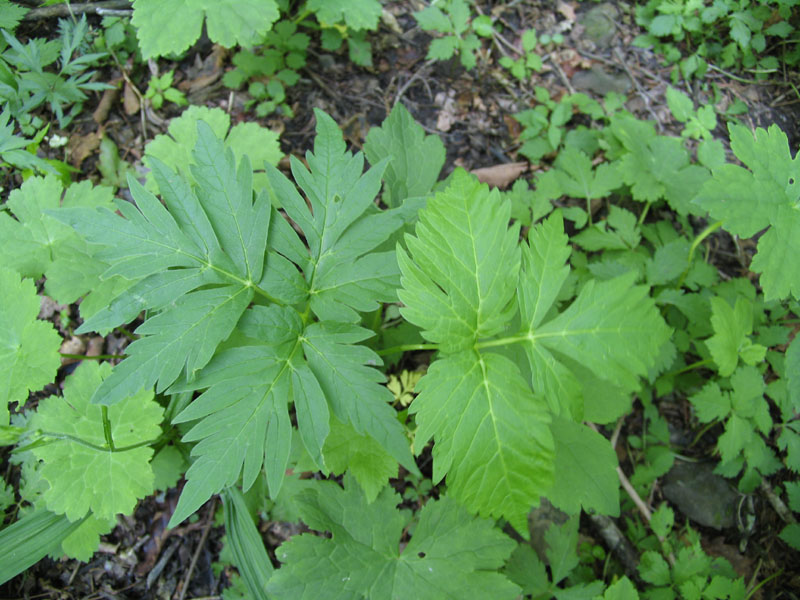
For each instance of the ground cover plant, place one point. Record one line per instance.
(430, 374)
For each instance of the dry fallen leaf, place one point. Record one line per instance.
(501, 175)
(567, 10)
(82, 146)
(130, 102)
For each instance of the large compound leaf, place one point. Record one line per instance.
(83, 472)
(612, 329)
(491, 434)
(451, 555)
(461, 270)
(171, 26)
(213, 235)
(28, 347)
(341, 227)
(416, 158)
(765, 194)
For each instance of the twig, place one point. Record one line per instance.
(562, 75)
(783, 511)
(617, 542)
(417, 74)
(67, 10)
(642, 93)
(200, 545)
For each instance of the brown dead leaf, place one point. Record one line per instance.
(130, 101)
(73, 345)
(95, 346)
(501, 175)
(100, 113)
(80, 147)
(447, 115)
(566, 9)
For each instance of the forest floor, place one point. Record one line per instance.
(471, 111)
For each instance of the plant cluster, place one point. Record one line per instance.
(270, 317)
(727, 33)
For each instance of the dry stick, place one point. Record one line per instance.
(417, 74)
(637, 500)
(67, 10)
(200, 545)
(642, 93)
(783, 511)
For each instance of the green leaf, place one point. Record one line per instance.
(340, 227)
(732, 326)
(369, 463)
(617, 343)
(28, 347)
(578, 179)
(356, 14)
(680, 105)
(228, 22)
(621, 590)
(498, 451)
(451, 554)
(244, 417)
(175, 148)
(562, 548)
(11, 14)
(461, 270)
(404, 141)
(443, 48)
(37, 244)
(431, 18)
(214, 234)
(83, 472)
(82, 543)
(791, 535)
(585, 470)
(763, 195)
(526, 570)
(654, 569)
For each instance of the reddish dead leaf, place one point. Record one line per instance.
(514, 128)
(501, 175)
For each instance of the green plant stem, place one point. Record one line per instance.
(697, 241)
(125, 332)
(690, 367)
(407, 348)
(644, 214)
(107, 429)
(763, 582)
(82, 442)
(97, 357)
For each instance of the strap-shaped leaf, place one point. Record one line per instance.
(491, 434)
(213, 235)
(460, 273)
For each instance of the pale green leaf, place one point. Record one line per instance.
(763, 195)
(229, 22)
(28, 347)
(732, 325)
(452, 555)
(83, 473)
(356, 14)
(585, 470)
(498, 451)
(82, 543)
(460, 273)
(362, 456)
(562, 548)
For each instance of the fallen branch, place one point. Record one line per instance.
(68, 10)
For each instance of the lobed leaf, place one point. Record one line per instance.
(28, 347)
(83, 472)
(451, 554)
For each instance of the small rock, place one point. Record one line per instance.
(598, 81)
(599, 24)
(700, 494)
